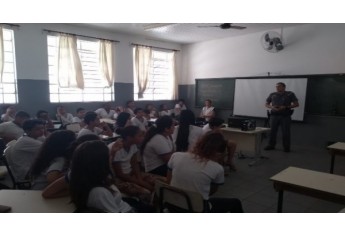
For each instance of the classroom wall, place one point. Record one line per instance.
(309, 49)
(32, 66)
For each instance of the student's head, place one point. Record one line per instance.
(81, 112)
(181, 102)
(60, 109)
(20, 117)
(208, 102)
(56, 145)
(147, 113)
(10, 110)
(130, 104)
(80, 140)
(119, 109)
(107, 106)
(132, 134)
(280, 87)
(42, 114)
(209, 145)
(187, 117)
(91, 118)
(163, 107)
(90, 168)
(215, 123)
(139, 112)
(150, 107)
(34, 128)
(123, 119)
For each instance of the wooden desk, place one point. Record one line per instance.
(31, 201)
(308, 182)
(248, 142)
(336, 149)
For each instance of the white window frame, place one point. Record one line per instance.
(8, 87)
(92, 76)
(159, 73)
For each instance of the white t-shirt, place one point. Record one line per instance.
(10, 129)
(130, 111)
(40, 182)
(23, 154)
(102, 199)
(124, 158)
(142, 125)
(191, 174)
(157, 146)
(102, 113)
(85, 131)
(195, 133)
(65, 119)
(6, 118)
(178, 109)
(76, 119)
(165, 113)
(207, 111)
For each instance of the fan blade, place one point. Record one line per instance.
(157, 25)
(237, 27)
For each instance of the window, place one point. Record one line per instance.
(95, 88)
(161, 77)
(8, 87)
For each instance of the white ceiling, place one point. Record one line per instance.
(183, 33)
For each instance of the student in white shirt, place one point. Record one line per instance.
(105, 112)
(79, 118)
(118, 110)
(199, 171)
(123, 120)
(164, 110)
(25, 150)
(9, 114)
(94, 126)
(90, 180)
(130, 106)
(180, 106)
(139, 119)
(62, 115)
(158, 146)
(44, 116)
(12, 130)
(152, 109)
(207, 111)
(186, 133)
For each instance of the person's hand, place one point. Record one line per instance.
(102, 124)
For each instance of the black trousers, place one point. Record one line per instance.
(284, 122)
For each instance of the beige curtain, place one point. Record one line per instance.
(2, 53)
(106, 61)
(143, 58)
(70, 74)
(173, 79)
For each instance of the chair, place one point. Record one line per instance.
(5, 159)
(179, 200)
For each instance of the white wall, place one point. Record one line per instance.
(31, 50)
(310, 49)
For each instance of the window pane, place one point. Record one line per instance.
(9, 98)
(54, 97)
(9, 88)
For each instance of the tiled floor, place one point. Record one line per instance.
(251, 184)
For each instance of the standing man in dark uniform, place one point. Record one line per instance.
(281, 104)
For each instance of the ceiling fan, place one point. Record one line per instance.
(225, 26)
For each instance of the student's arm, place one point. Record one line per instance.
(58, 188)
(54, 175)
(106, 130)
(166, 157)
(169, 176)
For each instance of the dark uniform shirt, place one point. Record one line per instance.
(282, 99)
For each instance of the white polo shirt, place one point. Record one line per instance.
(85, 131)
(102, 113)
(124, 158)
(10, 129)
(142, 125)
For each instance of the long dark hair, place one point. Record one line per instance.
(162, 123)
(186, 118)
(90, 169)
(56, 145)
(122, 119)
(209, 145)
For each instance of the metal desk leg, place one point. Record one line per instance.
(280, 201)
(332, 163)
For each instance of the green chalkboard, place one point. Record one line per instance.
(219, 91)
(326, 95)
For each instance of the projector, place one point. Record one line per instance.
(244, 124)
(248, 125)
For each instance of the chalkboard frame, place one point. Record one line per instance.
(308, 109)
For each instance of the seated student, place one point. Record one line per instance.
(52, 160)
(186, 133)
(180, 106)
(207, 111)
(123, 120)
(215, 125)
(164, 111)
(118, 110)
(44, 116)
(152, 111)
(105, 112)
(25, 150)
(79, 118)
(130, 106)
(158, 146)
(62, 115)
(94, 126)
(9, 114)
(129, 179)
(139, 119)
(90, 180)
(199, 171)
(12, 130)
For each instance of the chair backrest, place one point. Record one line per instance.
(180, 198)
(75, 127)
